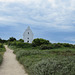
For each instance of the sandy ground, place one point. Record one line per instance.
(10, 65)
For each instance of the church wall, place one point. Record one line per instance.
(28, 36)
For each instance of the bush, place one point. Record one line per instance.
(39, 41)
(2, 41)
(60, 45)
(21, 40)
(43, 47)
(67, 45)
(57, 45)
(1, 45)
(11, 39)
(2, 49)
(1, 59)
(20, 44)
(64, 66)
(73, 46)
(51, 46)
(21, 53)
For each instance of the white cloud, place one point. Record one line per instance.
(23, 1)
(51, 13)
(53, 3)
(7, 0)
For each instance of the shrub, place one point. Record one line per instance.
(1, 45)
(21, 40)
(20, 44)
(39, 41)
(64, 66)
(67, 45)
(1, 59)
(2, 41)
(44, 46)
(73, 46)
(51, 46)
(12, 39)
(2, 49)
(57, 45)
(26, 53)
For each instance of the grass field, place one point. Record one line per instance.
(59, 61)
(2, 50)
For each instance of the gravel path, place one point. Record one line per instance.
(10, 65)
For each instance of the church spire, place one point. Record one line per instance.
(28, 27)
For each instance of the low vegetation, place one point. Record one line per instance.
(47, 62)
(2, 50)
(47, 58)
(42, 57)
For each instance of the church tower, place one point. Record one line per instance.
(28, 35)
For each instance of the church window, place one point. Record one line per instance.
(28, 41)
(27, 38)
(28, 32)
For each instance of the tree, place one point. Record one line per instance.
(12, 39)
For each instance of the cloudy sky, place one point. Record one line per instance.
(53, 20)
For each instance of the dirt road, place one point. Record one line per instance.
(10, 65)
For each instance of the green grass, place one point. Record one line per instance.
(59, 61)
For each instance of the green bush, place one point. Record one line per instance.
(2, 49)
(21, 40)
(44, 46)
(20, 44)
(51, 46)
(64, 66)
(67, 45)
(57, 45)
(39, 41)
(1, 59)
(21, 53)
(11, 39)
(2, 41)
(60, 45)
(1, 45)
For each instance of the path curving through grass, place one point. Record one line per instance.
(10, 65)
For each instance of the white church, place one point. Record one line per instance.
(28, 35)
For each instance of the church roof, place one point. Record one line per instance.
(28, 29)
